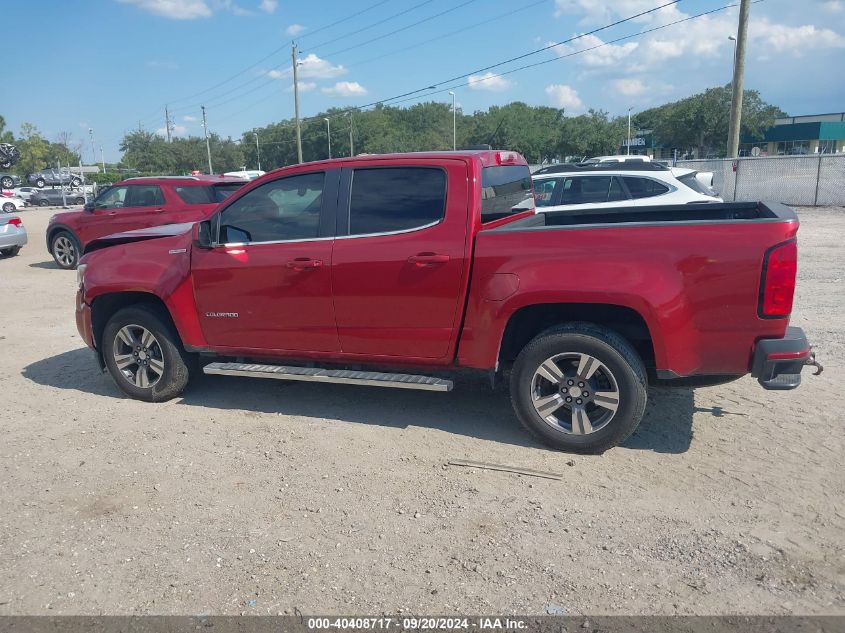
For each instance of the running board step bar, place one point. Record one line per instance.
(341, 376)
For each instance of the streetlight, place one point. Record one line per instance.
(454, 123)
(93, 151)
(629, 130)
(257, 149)
(328, 134)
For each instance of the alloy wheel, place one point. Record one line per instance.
(64, 250)
(138, 356)
(575, 393)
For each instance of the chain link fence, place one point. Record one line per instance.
(817, 180)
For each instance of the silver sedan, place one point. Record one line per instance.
(12, 235)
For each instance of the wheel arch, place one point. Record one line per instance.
(104, 306)
(55, 228)
(529, 321)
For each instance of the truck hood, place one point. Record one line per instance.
(139, 235)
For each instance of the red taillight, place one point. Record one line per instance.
(777, 287)
(15, 222)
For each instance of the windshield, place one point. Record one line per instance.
(693, 183)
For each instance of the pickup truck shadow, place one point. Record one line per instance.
(471, 409)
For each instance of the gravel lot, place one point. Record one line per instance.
(258, 497)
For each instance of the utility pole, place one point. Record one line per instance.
(93, 153)
(351, 146)
(167, 124)
(257, 149)
(329, 134)
(103, 158)
(629, 130)
(454, 123)
(738, 79)
(296, 102)
(207, 145)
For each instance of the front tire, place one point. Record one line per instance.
(8, 207)
(40, 183)
(65, 250)
(144, 355)
(579, 387)
(7, 183)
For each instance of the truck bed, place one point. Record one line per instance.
(691, 273)
(706, 212)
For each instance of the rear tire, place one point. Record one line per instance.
(43, 203)
(7, 183)
(8, 207)
(579, 387)
(144, 355)
(80, 201)
(65, 249)
(40, 183)
(11, 251)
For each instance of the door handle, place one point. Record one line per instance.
(427, 259)
(304, 263)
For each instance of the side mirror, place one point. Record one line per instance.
(204, 234)
(89, 206)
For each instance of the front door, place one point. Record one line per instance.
(399, 259)
(266, 286)
(122, 208)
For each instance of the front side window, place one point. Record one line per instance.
(144, 196)
(391, 199)
(111, 198)
(284, 209)
(644, 187)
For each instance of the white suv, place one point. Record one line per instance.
(573, 187)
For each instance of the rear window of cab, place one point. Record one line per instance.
(207, 194)
(505, 190)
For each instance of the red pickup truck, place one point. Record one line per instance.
(394, 270)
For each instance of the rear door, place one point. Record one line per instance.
(583, 192)
(400, 258)
(122, 208)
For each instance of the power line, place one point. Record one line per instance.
(399, 30)
(274, 52)
(374, 24)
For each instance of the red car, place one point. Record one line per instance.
(136, 203)
(384, 270)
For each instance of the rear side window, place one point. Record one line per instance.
(587, 190)
(192, 194)
(644, 187)
(505, 190)
(144, 196)
(391, 199)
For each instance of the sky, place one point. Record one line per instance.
(113, 65)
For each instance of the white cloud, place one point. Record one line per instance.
(294, 29)
(189, 118)
(488, 81)
(629, 87)
(833, 6)
(345, 89)
(311, 67)
(304, 86)
(602, 54)
(269, 6)
(565, 97)
(176, 130)
(795, 39)
(605, 11)
(174, 9)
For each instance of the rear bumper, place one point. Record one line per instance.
(777, 363)
(12, 236)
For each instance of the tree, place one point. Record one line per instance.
(35, 151)
(700, 122)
